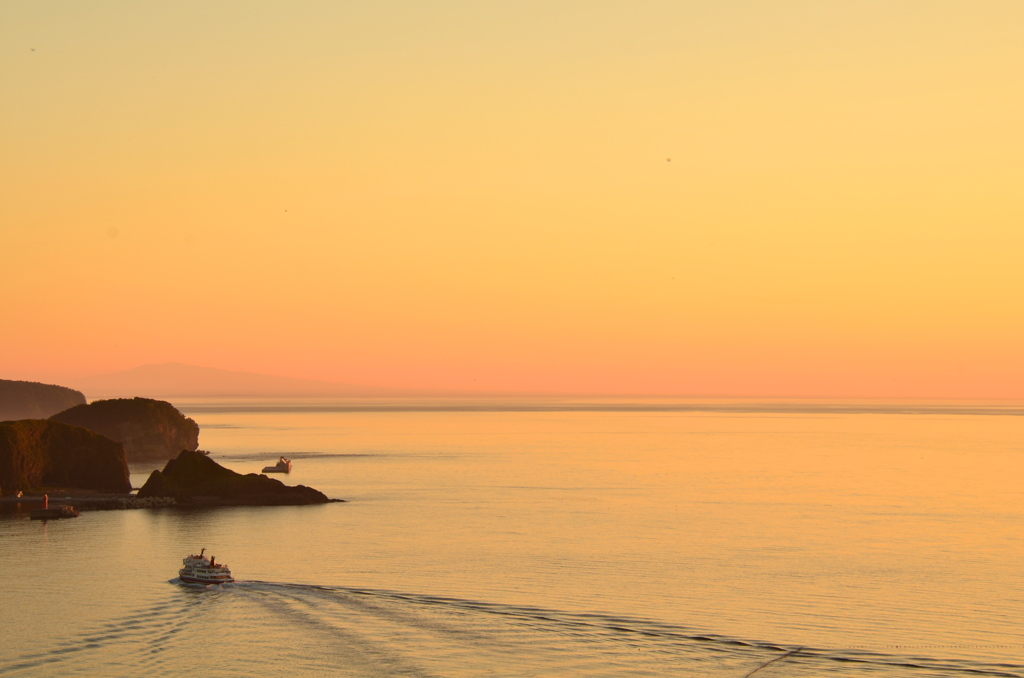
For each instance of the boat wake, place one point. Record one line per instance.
(178, 581)
(266, 628)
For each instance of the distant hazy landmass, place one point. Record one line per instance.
(31, 400)
(175, 379)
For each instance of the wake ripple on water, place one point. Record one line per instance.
(266, 628)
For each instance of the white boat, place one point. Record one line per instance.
(202, 570)
(282, 466)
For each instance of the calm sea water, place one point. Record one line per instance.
(554, 539)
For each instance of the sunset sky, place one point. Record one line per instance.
(796, 198)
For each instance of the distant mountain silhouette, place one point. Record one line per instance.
(175, 379)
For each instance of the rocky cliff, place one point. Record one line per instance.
(29, 400)
(36, 454)
(193, 478)
(149, 429)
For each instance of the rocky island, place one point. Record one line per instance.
(36, 454)
(85, 449)
(32, 400)
(149, 429)
(193, 479)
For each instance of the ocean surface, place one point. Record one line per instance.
(554, 538)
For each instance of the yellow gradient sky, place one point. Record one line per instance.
(742, 198)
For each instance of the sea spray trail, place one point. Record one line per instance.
(593, 625)
(258, 627)
(429, 635)
(528, 626)
(651, 629)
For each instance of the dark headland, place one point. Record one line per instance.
(36, 454)
(193, 479)
(150, 430)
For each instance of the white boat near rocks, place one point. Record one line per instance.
(282, 466)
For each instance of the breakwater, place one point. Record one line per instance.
(117, 503)
(91, 503)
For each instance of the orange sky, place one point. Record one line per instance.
(743, 198)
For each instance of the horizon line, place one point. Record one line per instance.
(363, 390)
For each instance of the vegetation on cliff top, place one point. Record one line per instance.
(32, 400)
(194, 478)
(149, 429)
(36, 454)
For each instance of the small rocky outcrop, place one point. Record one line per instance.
(149, 429)
(30, 400)
(36, 454)
(195, 479)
